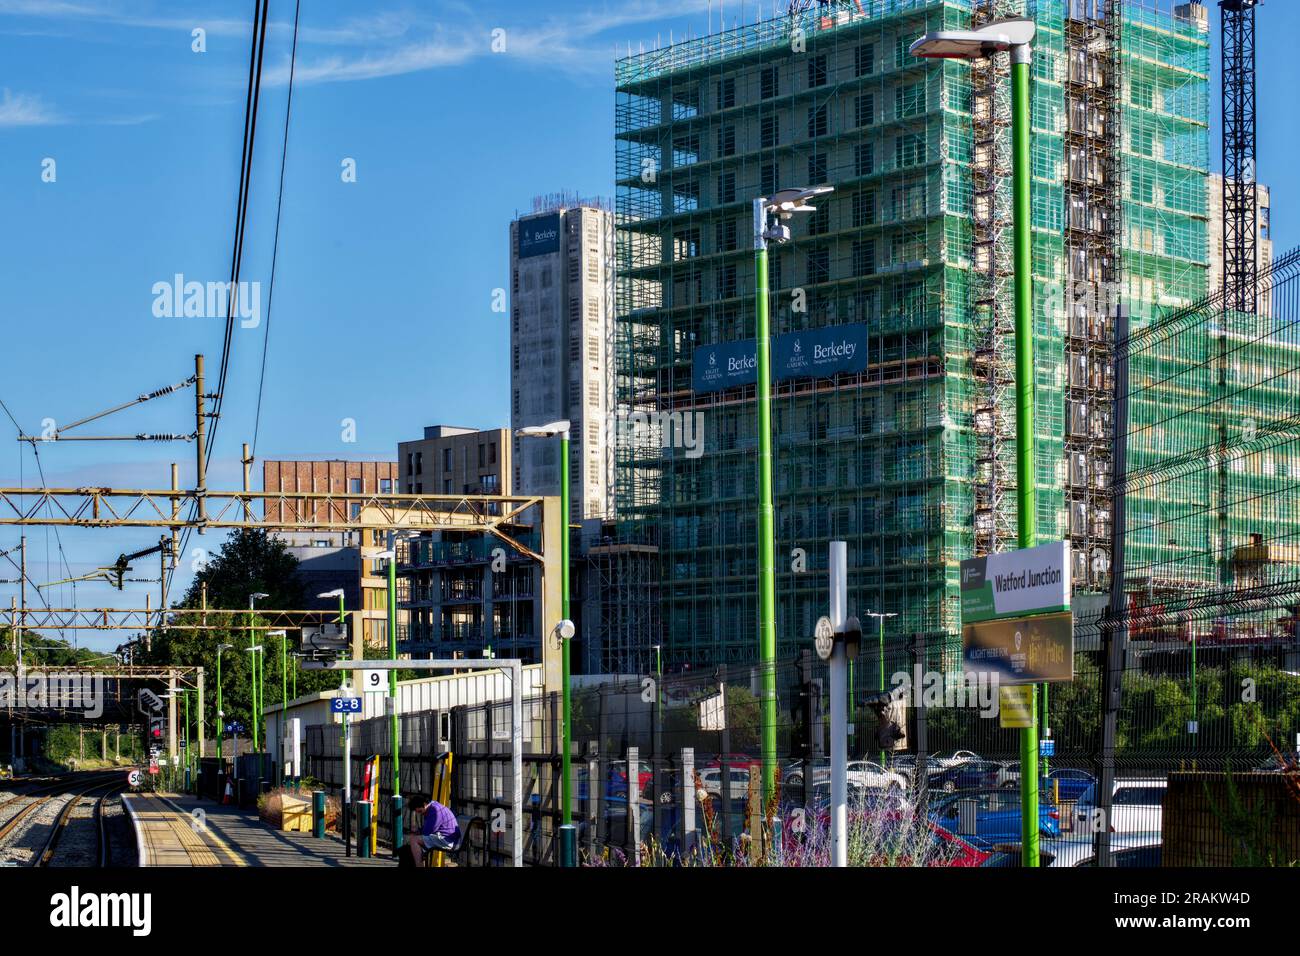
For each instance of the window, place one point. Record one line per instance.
(686, 102)
(419, 487)
(816, 168)
(446, 486)
(909, 100)
(864, 60)
(768, 85)
(864, 257)
(385, 486)
(818, 265)
(419, 462)
(446, 459)
(726, 140)
(1143, 142)
(769, 179)
(864, 159)
(492, 453)
(354, 511)
(686, 244)
(865, 109)
(726, 93)
(354, 486)
(726, 281)
(820, 221)
(491, 484)
(727, 187)
(769, 132)
(725, 230)
(909, 149)
(817, 70)
(817, 124)
(482, 455)
(864, 209)
(686, 150)
(410, 463)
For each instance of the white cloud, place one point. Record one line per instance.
(25, 109)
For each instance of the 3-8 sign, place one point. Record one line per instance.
(345, 705)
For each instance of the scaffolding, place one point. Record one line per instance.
(1092, 258)
(992, 272)
(903, 459)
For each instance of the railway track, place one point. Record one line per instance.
(46, 856)
(13, 829)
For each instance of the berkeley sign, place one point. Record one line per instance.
(814, 353)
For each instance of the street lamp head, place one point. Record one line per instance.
(996, 37)
(224, 647)
(258, 595)
(388, 555)
(560, 428)
(565, 630)
(254, 649)
(279, 632)
(787, 202)
(337, 592)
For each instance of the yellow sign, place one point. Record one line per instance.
(1016, 706)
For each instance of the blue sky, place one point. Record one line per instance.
(382, 311)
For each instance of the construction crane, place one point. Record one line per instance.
(1240, 228)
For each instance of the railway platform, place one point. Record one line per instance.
(178, 830)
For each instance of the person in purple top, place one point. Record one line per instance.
(439, 831)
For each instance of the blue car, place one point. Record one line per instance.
(1067, 784)
(987, 817)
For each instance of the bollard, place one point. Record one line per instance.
(363, 829)
(399, 835)
(347, 824)
(318, 814)
(568, 845)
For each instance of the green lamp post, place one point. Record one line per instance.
(770, 216)
(568, 833)
(1015, 37)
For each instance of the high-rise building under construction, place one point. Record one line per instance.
(906, 451)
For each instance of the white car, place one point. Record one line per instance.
(738, 782)
(1136, 807)
(872, 776)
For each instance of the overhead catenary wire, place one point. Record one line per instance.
(275, 245)
(251, 101)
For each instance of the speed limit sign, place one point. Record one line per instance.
(374, 682)
(133, 778)
(824, 638)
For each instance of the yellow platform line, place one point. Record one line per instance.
(169, 838)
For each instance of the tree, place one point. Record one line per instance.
(248, 562)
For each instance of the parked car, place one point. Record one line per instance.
(967, 775)
(737, 781)
(618, 777)
(1062, 784)
(949, 848)
(1137, 806)
(940, 759)
(1127, 850)
(987, 817)
(871, 775)
(1280, 763)
(1066, 783)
